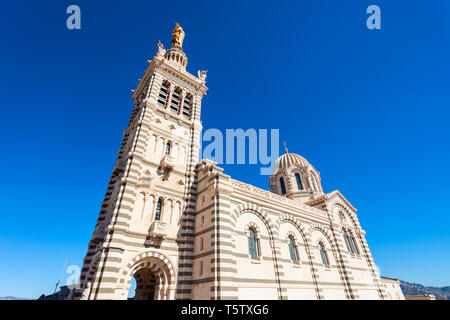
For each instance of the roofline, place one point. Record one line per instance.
(390, 278)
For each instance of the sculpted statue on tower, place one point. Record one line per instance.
(177, 36)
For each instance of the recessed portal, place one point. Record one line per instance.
(146, 282)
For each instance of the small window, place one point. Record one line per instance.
(299, 181)
(293, 250)
(168, 148)
(201, 268)
(202, 220)
(158, 210)
(283, 187)
(324, 255)
(201, 244)
(252, 244)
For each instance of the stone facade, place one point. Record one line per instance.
(392, 288)
(185, 230)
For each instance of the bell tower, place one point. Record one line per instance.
(145, 226)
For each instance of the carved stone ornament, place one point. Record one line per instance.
(202, 74)
(161, 50)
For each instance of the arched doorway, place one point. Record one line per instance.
(149, 276)
(147, 283)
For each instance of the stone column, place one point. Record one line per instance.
(169, 97)
(180, 111)
(152, 214)
(172, 205)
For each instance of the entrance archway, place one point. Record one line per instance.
(154, 277)
(147, 283)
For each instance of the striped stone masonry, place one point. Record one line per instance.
(183, 229)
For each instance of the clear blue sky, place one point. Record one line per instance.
(369, 109)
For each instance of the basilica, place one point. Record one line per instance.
(184, 229)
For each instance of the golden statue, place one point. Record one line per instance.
(177, 36)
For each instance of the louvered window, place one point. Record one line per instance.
(163, 95)
(187, 106)
(175, 102)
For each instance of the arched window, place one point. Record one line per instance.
(163, 94)
(350, 242)
(353, 244)
(253, 249)
(324, 255)
(347, 242)
(168, 148)
(175, 102)
(293, 250)
(187, 106)
(299, 181)
(158, 209)
(283, 187)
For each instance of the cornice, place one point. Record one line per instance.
(329, 196)
(275, 198)
(187, 77)
(160, 62)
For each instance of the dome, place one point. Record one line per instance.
(295, 178)
(288, 160)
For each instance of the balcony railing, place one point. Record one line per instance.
(158, 229)
(168, 161)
